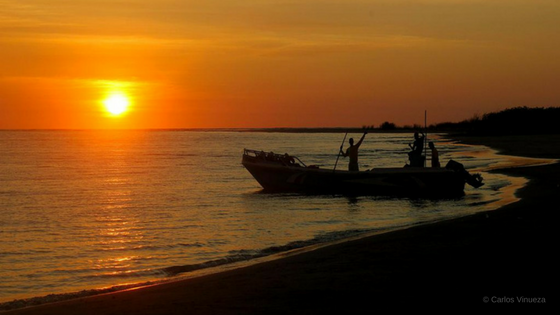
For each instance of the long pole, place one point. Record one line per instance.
(338, 156)
(425, 137)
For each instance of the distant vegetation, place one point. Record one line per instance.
(518, 120)
(387, 126)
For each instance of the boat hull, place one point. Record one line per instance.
(277, 177)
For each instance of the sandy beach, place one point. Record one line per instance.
(487, 260)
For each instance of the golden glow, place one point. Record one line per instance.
(116, 103)
(306, 62)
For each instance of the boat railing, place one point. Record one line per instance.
(285, 159)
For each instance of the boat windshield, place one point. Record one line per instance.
(274, 157)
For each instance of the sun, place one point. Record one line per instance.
(116, 104)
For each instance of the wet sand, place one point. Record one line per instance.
(503, 255)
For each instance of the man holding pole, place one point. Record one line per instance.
(352, 152)
(415, 156)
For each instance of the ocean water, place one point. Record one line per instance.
(95, 209)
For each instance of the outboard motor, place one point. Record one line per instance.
(474, 180)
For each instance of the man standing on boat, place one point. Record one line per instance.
(435, 155)
(352, 152)
(415, 156)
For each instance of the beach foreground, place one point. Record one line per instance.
(498, 258)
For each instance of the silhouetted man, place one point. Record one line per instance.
(352, 152)
(415, 156)
(435, 155)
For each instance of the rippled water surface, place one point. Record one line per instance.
(90, 209)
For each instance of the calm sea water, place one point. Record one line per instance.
(91, 209)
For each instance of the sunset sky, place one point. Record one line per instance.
(272, 63)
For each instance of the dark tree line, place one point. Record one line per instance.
(517, 120)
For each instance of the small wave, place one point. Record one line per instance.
(51, 298)
(249, 254)
(164, 247)
(127, 274)
(172, 154)
(483, 203)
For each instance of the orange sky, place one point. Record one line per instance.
(273, 63)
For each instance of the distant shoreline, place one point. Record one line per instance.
(270, 130)
(512, 121)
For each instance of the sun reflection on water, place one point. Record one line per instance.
(118, 234)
